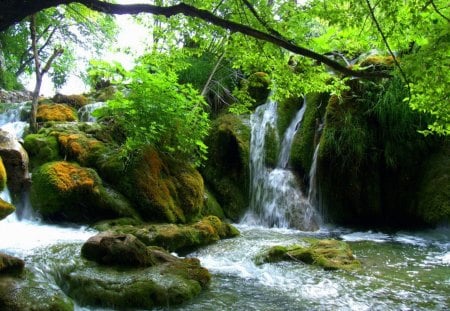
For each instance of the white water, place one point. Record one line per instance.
(10, 120)
(85, 112)
(275, 196)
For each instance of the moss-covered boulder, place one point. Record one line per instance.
(433, 203)
(162, 188)
(10, 264)
(211, 206)
(226, 171)
(69, 192)
(31, 293)
(76, 101)
(328, 254)
(3, 176)
(174, 237)
(41, 149)
(80, 147)
(6, 209)
(257, 85)
(55, 112)
(168, 280)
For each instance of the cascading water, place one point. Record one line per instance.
(85, 112)
(275, 196)
(11, 119)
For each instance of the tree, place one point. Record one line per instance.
(325, 29)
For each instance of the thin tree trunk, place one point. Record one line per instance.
(211, 75)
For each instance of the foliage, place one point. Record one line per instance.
(154, 109)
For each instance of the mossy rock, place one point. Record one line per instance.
(162, 189)
(272, 147)
(211, 206)
(11, 265)
(377, 62)
(66, 191)
(6, 209)
(434, 192)
(55, 112)
(106, 93)
(81, 148)
(169, 281)
(3, 176)
(328, 254)
(226, 171)
(41, 149)
(174, 237)
(30, 292)
(76, 101)
(257, 85)
(308, 134)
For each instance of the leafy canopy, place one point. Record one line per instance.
(154, 109)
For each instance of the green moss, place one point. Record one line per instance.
(328, 254)
(308, 135)
(434, 192)
(6, 209)
(3, 177)
(257, 85)
(286, 111)
(66, 191)
(272, 146)
(41, 149)
(211, 206)
(226, 170)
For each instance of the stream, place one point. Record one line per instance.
(400, 270)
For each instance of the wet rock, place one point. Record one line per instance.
(14, 96)
(328, 254)
(3, 177)
(15, 159)
(6, 209)
(174, 237)
(10, 264)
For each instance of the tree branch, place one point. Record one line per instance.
(439, 12)
(181, 8)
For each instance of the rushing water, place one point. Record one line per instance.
(400, 271)
(85, 112)
(275, 196)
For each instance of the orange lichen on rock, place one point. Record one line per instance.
(68, 177)
(79, 147)
(55, 112)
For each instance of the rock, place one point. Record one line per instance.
(3, 177)
(162, 189)
(29, 293)
(328, 254)
(68, 192)
(10, 264)
(116, 249)
(55, 112)
(6, 209)
(257, 85)
(14, 96)
(75, 101)
(174, 237)
(170, 280)
(41, 149)
(227, 169)
(15, 159)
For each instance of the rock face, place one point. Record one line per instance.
(67, 191)
(14, 96)
(15, 159)
(226, 170)
(328, 254)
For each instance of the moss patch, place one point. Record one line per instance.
(76, 101)
(328, 254)
(41, 149)
(3, 177)
(6, 209)
(55, 112)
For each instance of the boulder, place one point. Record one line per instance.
(75, 101)
(329, 254)
(55, 112)
(6, 209)
(15, 159)
(41, 149)
(10, 264)
(174, 237)
(68, 192)
(3, 177)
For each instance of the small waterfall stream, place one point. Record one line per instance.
(275, 196)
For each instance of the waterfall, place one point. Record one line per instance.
(85, 112)
(313, 194)
(11, 119)
(275, 196)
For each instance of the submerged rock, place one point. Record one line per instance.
(177, 237)
(329, 254)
